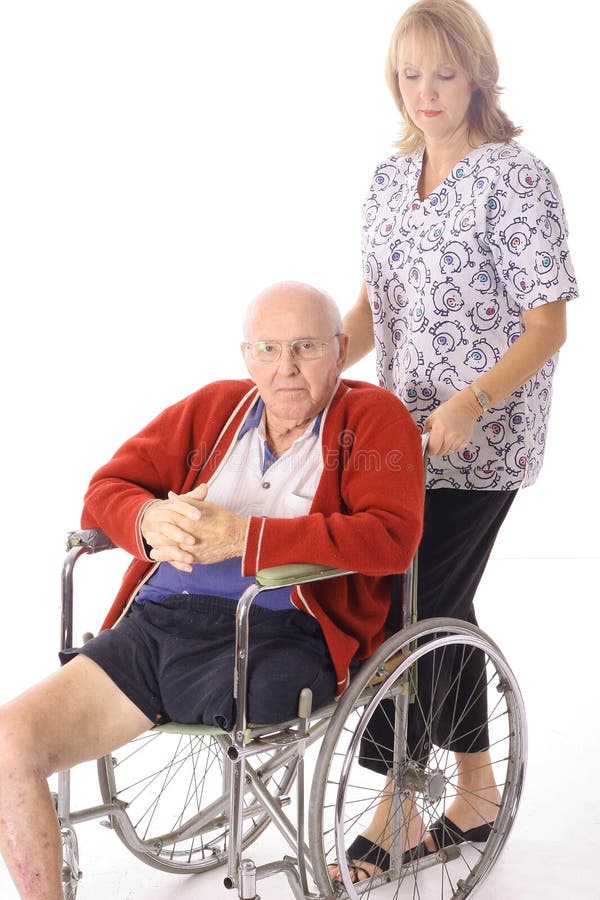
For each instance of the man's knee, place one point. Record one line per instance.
(21, 747)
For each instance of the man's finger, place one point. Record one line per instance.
(174, 555)
(182, 506)
(199, 492)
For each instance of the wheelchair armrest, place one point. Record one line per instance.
(296, 573)
(265, 580)
(93, 540)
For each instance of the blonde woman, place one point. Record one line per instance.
(467, 275)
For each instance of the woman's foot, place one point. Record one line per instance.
(477, 799)
(367, 858)
(368, 855)
(472, 814)
(475, 806)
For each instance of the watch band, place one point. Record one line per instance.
(482, 397)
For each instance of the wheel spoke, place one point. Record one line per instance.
(168, 781)
(466, 699)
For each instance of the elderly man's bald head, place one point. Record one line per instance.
(294, 387)
(291, 295)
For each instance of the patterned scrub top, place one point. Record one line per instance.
(448, 278)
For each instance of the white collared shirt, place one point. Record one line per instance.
(247, 484)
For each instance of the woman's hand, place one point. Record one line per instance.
(451, 424)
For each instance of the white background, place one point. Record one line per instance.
(161, 163)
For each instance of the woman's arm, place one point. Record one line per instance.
(545, 333)
(451, 425)
(358, 325)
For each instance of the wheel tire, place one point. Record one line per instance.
(345, 794)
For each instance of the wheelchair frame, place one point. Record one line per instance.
(246, 800)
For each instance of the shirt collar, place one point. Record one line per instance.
(253, 418)
(255, 415)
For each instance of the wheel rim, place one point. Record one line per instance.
(347, 793)
(165, 781)
(70, 872)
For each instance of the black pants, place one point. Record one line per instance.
(459, 532)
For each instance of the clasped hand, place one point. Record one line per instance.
(186, 529)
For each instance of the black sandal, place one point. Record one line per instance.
(354, 870)
(446, 834)
(365, 850)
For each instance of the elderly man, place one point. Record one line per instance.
(293, 465)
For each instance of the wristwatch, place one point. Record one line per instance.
(482, 397)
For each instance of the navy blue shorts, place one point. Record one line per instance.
(175, 660)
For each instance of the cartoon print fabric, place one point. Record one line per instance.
(447, 279)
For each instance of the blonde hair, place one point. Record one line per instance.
(464, 40)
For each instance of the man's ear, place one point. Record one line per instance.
(343, 350)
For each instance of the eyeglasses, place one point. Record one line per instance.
(302, 349)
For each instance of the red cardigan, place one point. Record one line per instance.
(367, 513)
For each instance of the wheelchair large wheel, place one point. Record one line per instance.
(174, 792)
(416, 775)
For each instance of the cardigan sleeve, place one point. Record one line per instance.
(167, 455)
(367, 514)
(139, 472)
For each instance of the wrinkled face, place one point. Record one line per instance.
(294, 390)
(436, 92)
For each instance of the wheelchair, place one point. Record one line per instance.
(189, 798)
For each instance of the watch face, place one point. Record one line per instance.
(482, 397)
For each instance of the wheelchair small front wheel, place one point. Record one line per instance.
(436, 689)
(71, 873)
(173, 790)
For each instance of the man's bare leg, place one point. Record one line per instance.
(76, 714)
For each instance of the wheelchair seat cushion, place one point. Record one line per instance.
(175, 661)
